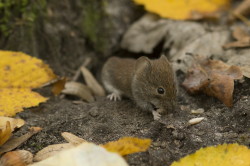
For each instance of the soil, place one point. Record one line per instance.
(103, 121)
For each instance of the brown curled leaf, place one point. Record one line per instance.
(58, 86)
(242, 37)
(213, 78)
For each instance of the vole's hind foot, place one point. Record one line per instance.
(114, 96)
(156, 115)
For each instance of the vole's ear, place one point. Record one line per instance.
(142, 64)
(163, 57)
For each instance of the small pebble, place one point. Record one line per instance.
(94, 112)
(178, 135)
(156, 144)
(164, 144)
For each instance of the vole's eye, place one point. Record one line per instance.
(160, 90)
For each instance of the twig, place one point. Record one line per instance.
(78, 72)
(242, 18)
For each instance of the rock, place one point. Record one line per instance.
(94, 112)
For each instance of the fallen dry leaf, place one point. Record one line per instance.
(13, 100)
(128, 145)
(73, 139)
(51, 150)
(58, 86)
(123, 146)
(182, 10)
(17, 158)
(7, 126)
(20, 73)
(79, 90)
(214, 78)
(15, 142)
(87, 154)
(92, 83)
(243, 61)
(5, 133)
(239, 33)
(21, 70)
(179, 37)
(145, 34)
(220, 155)
(14, 123)
(242, 37)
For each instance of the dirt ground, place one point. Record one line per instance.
(103, 121)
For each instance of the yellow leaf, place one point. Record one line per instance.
(128, 145)
(5, 133)
(23, 71)
(13, 100)
(221, 155)
(183, 9)
(19, 73)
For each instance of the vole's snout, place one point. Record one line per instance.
(154, 106)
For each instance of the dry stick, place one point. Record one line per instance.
(78, 72)
(242, 18)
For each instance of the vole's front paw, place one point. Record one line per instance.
(114, 96)
(156, 115)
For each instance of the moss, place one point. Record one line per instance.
(95, 24)
(17, 13)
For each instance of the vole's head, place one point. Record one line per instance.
(153, 84)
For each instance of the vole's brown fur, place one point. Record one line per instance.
(139, 80)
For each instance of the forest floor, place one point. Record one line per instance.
(103, 121)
